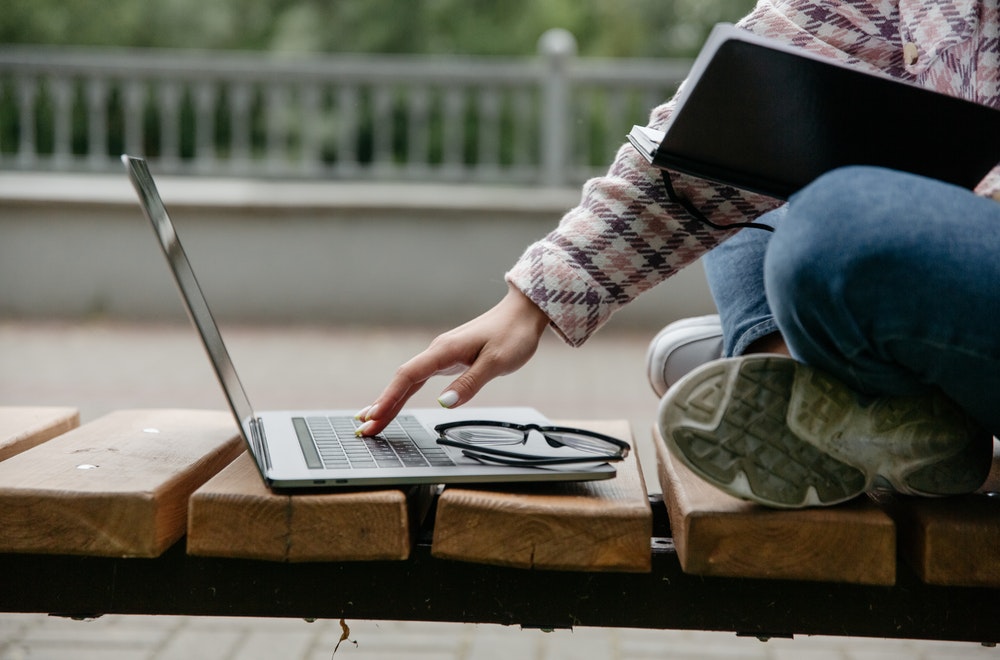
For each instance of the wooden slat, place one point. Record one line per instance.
(590, 526)
(117, 486)
(952, 541)
(716, 534)
(236, 515)
(24, 428)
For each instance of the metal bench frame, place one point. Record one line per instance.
(424, 588)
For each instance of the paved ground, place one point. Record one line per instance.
(100, 367)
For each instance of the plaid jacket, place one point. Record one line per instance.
(625, 236)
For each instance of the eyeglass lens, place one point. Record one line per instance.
(486, 435)
(496, 436)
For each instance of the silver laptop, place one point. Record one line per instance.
(318, 448)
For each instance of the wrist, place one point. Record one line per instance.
(526, 308)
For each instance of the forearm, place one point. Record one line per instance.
(625, 236)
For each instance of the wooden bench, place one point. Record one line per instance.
(161, 512)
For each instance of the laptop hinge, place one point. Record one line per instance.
(259, 441)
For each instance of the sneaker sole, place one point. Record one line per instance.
(779, 433)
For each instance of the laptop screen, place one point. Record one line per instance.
(194, 299)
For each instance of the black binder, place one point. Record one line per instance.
(764, 116)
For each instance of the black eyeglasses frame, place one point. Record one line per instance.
(492, 454)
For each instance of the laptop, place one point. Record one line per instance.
(310, 449)
(758, 114)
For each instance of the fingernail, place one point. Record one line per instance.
(448, 399)
(364, 429)
(361, 415)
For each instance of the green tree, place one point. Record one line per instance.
(623, 28)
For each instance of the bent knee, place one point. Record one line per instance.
(851, 195)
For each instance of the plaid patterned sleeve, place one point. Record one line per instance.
(625, 236)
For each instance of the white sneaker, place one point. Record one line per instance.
(680, 347)
(774, 431)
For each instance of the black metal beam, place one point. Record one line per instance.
(424, 588)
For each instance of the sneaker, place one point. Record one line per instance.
(771, 430)
(680, 347)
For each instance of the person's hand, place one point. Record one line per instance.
(496, 343)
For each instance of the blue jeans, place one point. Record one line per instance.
(888, 281)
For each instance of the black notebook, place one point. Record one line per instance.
(758, 114)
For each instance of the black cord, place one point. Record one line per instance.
(698, 215)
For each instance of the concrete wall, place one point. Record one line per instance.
(75, 246)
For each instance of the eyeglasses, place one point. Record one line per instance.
(484, 440)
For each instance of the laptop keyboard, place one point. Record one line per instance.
(329, 442)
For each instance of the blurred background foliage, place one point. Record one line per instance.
(463, 28)
(603, 28)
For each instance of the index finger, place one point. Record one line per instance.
(406, 382)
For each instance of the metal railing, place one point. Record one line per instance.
(551, 119)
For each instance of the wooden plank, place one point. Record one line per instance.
(952, 541)
(117, 486)
(23, 428)
(235, 515)
(720, 535)
(588, 526)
